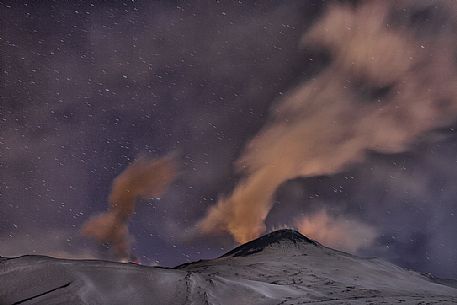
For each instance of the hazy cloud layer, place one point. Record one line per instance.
(338, 232)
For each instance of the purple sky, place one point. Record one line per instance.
(87, 86)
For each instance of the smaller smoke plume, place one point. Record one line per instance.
(344, 234)
(141, 180)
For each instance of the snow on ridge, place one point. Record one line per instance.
(271, 239)
(282, 267)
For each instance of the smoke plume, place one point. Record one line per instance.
(386, 85)
(341, 233)
(140, 180)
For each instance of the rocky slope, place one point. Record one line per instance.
(281, 268)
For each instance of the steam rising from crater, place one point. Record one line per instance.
(385, 86)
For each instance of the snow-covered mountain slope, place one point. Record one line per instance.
(282, 267)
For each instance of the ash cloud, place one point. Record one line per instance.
(140, 180)
(326, 124)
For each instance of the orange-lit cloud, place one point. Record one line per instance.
(382, 89)
(141, 180)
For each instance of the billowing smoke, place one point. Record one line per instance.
(338, 232)
(140, 180)
(387, 84)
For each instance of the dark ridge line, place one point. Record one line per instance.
(184, 265)
(42, 294)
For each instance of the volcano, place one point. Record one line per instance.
(280, 268)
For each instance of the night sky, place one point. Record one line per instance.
(87, 87)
